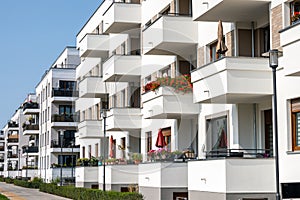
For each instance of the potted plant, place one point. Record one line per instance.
(137, 158)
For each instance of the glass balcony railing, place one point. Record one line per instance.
(30, 105)
(65, 118)
(61, 92)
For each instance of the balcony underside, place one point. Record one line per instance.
(121, 27)
(231, 10)
(123, 78)
(31, 132)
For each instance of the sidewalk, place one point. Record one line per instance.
(20, 193)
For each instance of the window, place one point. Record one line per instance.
(216, 130)
(167, 136)
(295, 103)
(147, 79)
(148, 141)
(166, 72)
(90, 151)
(295, 11)
(65, 109)
(67, 85)
(213, 51)
(66, 160)
(83, 152)
(96, 150)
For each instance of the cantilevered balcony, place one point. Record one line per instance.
(230, 10)
(121, 16)
(92, 87)
(290, 42)
(30, 151)
(124, 119)
(171, 34)
(232, 175)
(64, 120)
(30, 108)
(30, 129)
(94, 45)
(12, 125)
(166, 103)
(90, 129)
(233, 80)
(122, 68)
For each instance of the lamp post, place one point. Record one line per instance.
(26, 161)
(273, 62)
(61, 134)
(19, 164)
(104, 146)
(72, 165)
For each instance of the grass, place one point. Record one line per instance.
(2, 197)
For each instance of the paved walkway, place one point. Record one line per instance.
(20, 193)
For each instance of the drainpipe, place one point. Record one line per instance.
(252, 39)
(254, 126)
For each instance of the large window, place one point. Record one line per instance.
(295, 11)
(216, 129)
(149, 140)
(66, 110)
(295, 103)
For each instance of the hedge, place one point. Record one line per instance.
(87, 194)
(35, 183)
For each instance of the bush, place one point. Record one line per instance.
(35, 183)
(87, 194)
(9, 180)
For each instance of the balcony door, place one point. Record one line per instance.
(268, 131)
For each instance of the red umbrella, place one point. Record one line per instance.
(111, 149)
(160, 141)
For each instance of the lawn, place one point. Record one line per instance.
(2, 197)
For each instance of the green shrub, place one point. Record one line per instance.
(2, 197)
(9, 180)
(88, 194)
(2, 179)
(35, 183)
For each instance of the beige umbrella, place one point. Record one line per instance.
(221, 47)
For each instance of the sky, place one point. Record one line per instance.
(32, 35)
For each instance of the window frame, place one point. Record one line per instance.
(295, 109)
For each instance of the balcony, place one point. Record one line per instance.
(30, 129)
(232, 175)
(61, 92)
(290, 42)
(233, 80)
(30, 108)
(55, 146)
(166, 103)
(2, 148)
(90, 129)
(121, 16)
(32, 150)
(92, 87)
(166, 36)
(12, 125)
(122, 68)
(230, 10)
(64, 120)
(163, 175)
(124, 119)
(13, 138)
(86, 176)
(119, 175)
(94, 45)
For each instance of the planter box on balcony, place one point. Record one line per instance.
(166, 103)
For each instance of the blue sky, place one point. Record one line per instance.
(33, 33)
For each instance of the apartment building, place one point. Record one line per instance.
(56, 94)
(12, 142)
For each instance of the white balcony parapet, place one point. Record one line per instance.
(124, 119)
(233, 80)
(122, 68)
(290, 42)
(165, 103)
(166, 36)
(86, 175)
(121, 17)
(92, 87)
(90, 129)
(230, 10)
(234, 175)
(94, 45)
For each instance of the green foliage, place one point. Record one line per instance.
(35, 183)
(9, 180)
(2, 197)
(88, 194)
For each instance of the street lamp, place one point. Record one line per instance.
(27, 148)
(104, 116)
(19, 165)
(61, 134)
(72, 173)
(273, 62)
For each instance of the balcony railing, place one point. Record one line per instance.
(61, 92)
(13, 125)
(1, 159)
(32, 149)
(27, 127)
(1, 148)
(65, 118)
(30, 105)
(12, 155)
(65, 144)
(257, 153)
(12, 140)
